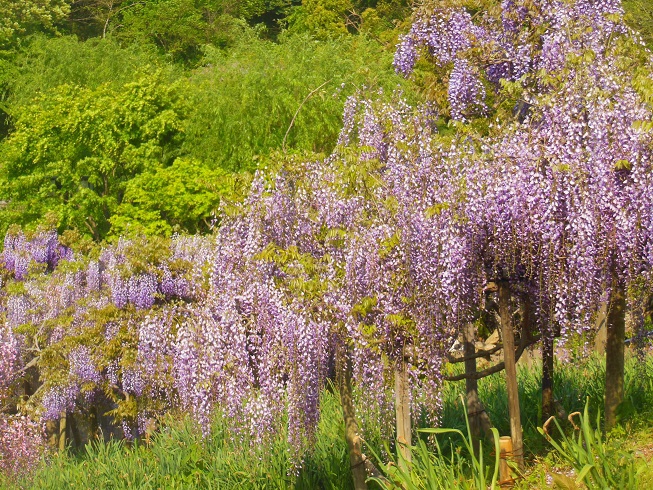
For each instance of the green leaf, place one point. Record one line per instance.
(583, 473)
(563, 482)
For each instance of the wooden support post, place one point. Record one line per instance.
(354, 443)
(548, 401)
(52, 433)
(402, 412)
(62, 431)
(479, 422)
(511, 373)
(600, 325)
(614, 355)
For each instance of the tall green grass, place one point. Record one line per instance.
(435, 470)
(178, 457)
(575, 381)
(596, 463)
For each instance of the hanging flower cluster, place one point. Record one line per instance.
(511, 41)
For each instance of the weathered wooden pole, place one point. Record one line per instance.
(479, 422)
(354, 442)
(62, 431)
(548, 401)
(614, 355)
(402, 412)
(601, 327)
(508, 338)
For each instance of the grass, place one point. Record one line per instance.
(178, 457)
(574, 383)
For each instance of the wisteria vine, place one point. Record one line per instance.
(385, 247)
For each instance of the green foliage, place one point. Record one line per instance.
(598, 465)
(324, 19)
(46, 63)
(74, 149)
(639, 14)
(189, 23)
(244, 99)
(434, 471)
(250, 9)
(328, 19)
(79, 145)
(180, 28)
(76, 125)
(384, 20)
(183, 197)
(20, 16)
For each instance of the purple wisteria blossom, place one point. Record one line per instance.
(382, 250)
(81, 365)
(22, 445)
(58, 400)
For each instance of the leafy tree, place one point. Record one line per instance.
(71, 97)
(181, 28)
(251, 9)
(91, 18)
(47, 62)
(20, 16)
(325, 19)
(74, 150)
(181, 198)
(244, 99)
(381, 19)
(101, 17)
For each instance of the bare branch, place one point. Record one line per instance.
(480, 353)
(312, 92)
(526, 342)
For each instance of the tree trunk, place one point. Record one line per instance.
(548, 402)
(600, 326)
(614, 356)
(62, 431)
(479, 422)
(52, 433)
(402, 412)
(354, 442)
(511, 373)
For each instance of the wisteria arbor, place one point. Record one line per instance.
(558, 190)
(364, 267)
